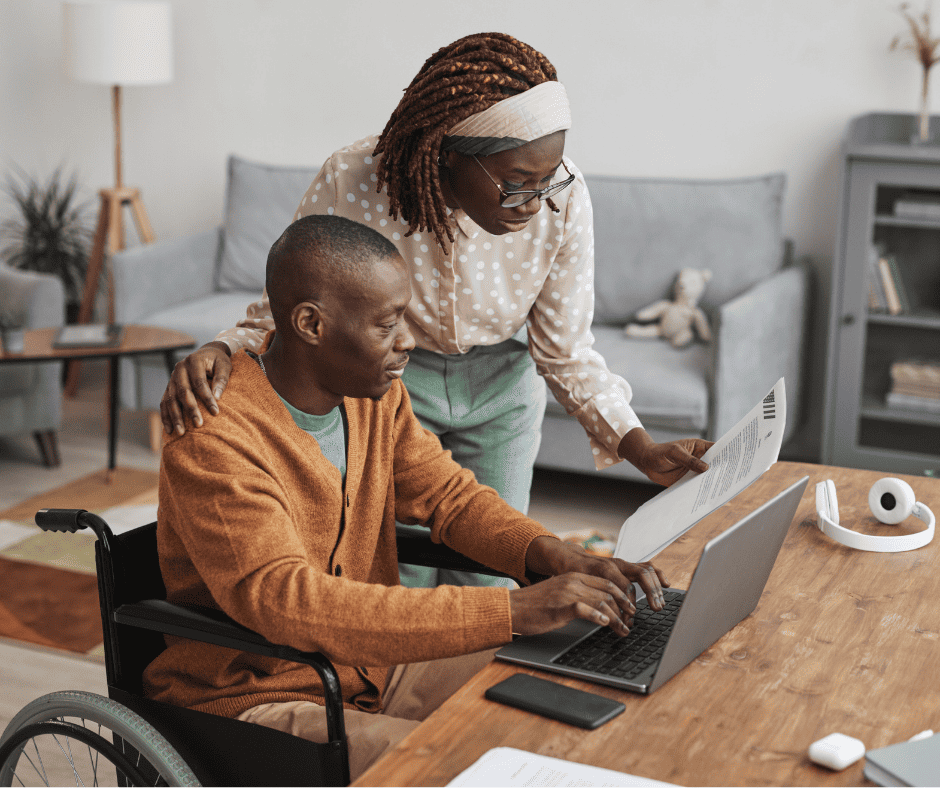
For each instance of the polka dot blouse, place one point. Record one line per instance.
(487, 287)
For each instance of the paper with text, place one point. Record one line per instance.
(507, 766)
(739, 457)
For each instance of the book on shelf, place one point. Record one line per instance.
(916, 391)
(915, 385)
(918, 205)
(899, 283)
(877, 302)
(910, 402)
(887, 281)
(915, 372)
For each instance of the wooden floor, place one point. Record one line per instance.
(561, 501)
(27, 672)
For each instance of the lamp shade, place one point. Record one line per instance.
(119, 42)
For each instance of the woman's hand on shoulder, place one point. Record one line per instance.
(204, 373)
(663, 463)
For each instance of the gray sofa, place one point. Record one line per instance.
(756, 301)
(645, 231)
(31, 394)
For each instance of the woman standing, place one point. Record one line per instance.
(470, 182)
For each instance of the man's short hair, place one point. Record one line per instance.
(318, 253)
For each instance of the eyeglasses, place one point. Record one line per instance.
(519, 197)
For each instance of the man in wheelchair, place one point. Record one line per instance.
(281, 512)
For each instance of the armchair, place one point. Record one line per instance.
(31, 394)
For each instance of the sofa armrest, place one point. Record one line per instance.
(40, 297)
(151, 277)
(759, 338)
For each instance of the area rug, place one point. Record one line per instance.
(48, 586)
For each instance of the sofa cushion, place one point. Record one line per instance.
(260, 202)
(670, 389)
(645, 230)
(143, 378)
(205, 318)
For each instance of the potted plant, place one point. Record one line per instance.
(12, 330)
(49, 232)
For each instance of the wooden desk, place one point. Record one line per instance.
(841, 640)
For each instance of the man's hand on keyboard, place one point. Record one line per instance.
(581, 585)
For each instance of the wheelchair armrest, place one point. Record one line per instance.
(213, 626)
(418, 549)
(208, 625)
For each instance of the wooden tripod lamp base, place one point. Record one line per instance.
(109, 233)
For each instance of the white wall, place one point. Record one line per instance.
(677, 88)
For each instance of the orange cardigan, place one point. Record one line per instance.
(253, 520)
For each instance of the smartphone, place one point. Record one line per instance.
(550, 699)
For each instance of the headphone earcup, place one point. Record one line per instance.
(891, 500)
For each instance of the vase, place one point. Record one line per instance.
(13, 340)
(922, 136)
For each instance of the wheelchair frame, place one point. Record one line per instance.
(135, 615)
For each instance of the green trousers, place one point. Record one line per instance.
(486, 406)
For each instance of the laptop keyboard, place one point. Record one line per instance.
(609, 654)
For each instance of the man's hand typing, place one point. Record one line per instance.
(580, 585)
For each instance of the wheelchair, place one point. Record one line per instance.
(127, 739)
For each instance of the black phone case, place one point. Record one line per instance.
(550, 699)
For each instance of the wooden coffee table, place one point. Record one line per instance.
(135, 341)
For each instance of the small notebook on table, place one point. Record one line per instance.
(905, 763)
(90, 335)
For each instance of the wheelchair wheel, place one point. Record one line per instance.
(79, 738)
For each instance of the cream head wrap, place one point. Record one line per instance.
(514, 121)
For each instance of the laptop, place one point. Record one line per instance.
(725, 588)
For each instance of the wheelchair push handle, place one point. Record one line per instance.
(60, 520)
(72, 520)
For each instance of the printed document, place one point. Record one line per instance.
(507, 766)
(738, 458)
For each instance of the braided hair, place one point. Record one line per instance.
(457, 81)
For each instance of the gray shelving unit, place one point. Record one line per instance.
(859, 429)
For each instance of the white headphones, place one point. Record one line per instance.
(891, 501)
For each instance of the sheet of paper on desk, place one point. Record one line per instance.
(507, 766)
(739, 457)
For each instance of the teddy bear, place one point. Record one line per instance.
(675, 318)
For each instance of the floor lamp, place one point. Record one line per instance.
(116, 43)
